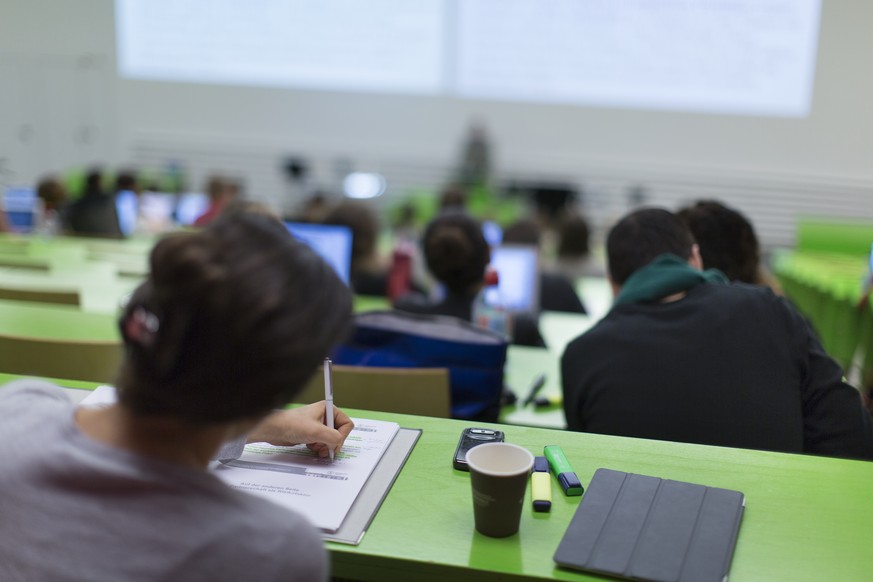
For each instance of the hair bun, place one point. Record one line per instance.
(182, 266)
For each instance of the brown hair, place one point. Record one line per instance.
(456, 251)
(230, 323)
(726, 238)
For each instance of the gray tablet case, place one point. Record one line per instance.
(646, 528)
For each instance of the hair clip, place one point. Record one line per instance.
(141, 326)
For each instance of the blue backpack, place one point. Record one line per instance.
(474, 356)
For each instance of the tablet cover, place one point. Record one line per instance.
(646, 528)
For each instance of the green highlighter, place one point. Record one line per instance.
(561, 468)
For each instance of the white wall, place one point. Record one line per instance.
(774, 169)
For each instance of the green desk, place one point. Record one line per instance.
(807, 518)
(43, 320)
(558, 329)
(80, 387)
(100, 290)
(523, 365)
(364, 303)
(596, 295)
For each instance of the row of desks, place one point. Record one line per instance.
(95, 270)
(524, 364)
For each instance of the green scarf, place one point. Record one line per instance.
(666, 275)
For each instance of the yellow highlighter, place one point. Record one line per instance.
(541, 485)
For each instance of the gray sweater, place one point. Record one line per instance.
(72, 508)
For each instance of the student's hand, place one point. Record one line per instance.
(304, 425)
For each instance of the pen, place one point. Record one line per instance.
(328, 398)
(538, 383)
(561, 468)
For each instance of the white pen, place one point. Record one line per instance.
(328, 398)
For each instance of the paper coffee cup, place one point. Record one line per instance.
(499, 473)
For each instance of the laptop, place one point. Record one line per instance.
(22, 207)
(333, 243)
(518, 274)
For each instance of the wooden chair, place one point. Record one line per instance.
(419, 391)
(59, 296)
(95, 361)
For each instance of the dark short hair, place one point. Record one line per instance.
(573, 236)
(641, 236)
(726, 238)
(243, 315)
(456, 251)
(525, 231)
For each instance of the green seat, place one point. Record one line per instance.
(95, 361)
(62, 297)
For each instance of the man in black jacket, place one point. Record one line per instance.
(685, 356)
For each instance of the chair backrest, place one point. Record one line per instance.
(63, 297)
(419, 391)
(474, 356)
(24, 262)
(93, 361)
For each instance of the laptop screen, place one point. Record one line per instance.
(22, 208)
(127, 208)
(190, 206)
(333, 243)
(517, 267)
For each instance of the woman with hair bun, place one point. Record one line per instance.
(230, 324)
(457, 256)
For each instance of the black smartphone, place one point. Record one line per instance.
(471, 437)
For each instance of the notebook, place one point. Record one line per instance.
(646, 528)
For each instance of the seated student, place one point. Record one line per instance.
(727, 242)
(457, 254)
(94, 214)
(556, 290)
(368, 275)
(52, 193)
(229, 325)
(573, 252)
(684, 356)
(222, 192)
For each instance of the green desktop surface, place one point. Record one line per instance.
(49, 321)
(806, 518)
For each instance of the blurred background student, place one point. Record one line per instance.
(457, 255)
(222, 192)
(94, 213)
(727, 242)
(556, 290)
